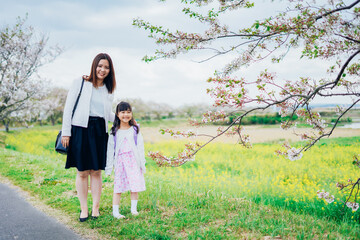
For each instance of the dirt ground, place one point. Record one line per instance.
(257, 134)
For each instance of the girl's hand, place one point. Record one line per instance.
(65, 141)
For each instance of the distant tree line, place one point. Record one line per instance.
(276, 118)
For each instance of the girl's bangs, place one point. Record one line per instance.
(124, 107)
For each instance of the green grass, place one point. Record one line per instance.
(227, 193)
(2, 139)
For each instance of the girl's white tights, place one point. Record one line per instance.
(116, 201)
(134, 207)
(116, 213)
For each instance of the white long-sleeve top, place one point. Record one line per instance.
(97, 102)
(81, 115)
(138, 149)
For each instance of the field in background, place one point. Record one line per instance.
(227, 191)
(258, 133)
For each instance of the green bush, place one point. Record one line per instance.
(342, 120)
(267, 119)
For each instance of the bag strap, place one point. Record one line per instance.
(77, 100)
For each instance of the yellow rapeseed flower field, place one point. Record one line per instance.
(238, 172)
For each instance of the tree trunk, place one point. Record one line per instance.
(6, 124)
(52, 120)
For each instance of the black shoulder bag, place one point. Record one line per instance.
(58, 146)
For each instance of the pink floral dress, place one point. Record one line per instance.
(128, 175)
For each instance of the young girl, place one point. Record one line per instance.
(126, 152)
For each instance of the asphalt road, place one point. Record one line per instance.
(20, 220)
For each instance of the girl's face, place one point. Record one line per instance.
(102, 69)
(125, 116)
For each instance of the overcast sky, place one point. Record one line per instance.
(85, 28)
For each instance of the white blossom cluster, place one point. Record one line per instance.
(294, 154)
(354, 206)
(326, 196)
(339, 110)
(320, 123)
(211, 116)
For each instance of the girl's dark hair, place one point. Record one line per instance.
(123, 106)
(109, 81)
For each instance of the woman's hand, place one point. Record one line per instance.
(65, 141)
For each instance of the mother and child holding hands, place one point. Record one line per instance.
(90, 149)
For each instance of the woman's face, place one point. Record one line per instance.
(125, 116)
(102, 69)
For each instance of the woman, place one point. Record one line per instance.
(86, 132)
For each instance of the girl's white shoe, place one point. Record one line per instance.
(118, 216)
(135, 213)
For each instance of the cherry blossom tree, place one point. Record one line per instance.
(326, 31)
(22, 53)
(24, 114)
(52, 106)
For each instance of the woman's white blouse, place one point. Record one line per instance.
(138, 149)
(97, 101)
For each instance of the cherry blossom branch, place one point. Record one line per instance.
(338, 10)
(344, 67)
(339, 94)
(332, 129)
(348, 38)
(352, 205)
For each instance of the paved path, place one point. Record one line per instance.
(20, 220)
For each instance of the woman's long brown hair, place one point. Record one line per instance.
(109, 81)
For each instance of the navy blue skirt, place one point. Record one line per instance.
(88, 146)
